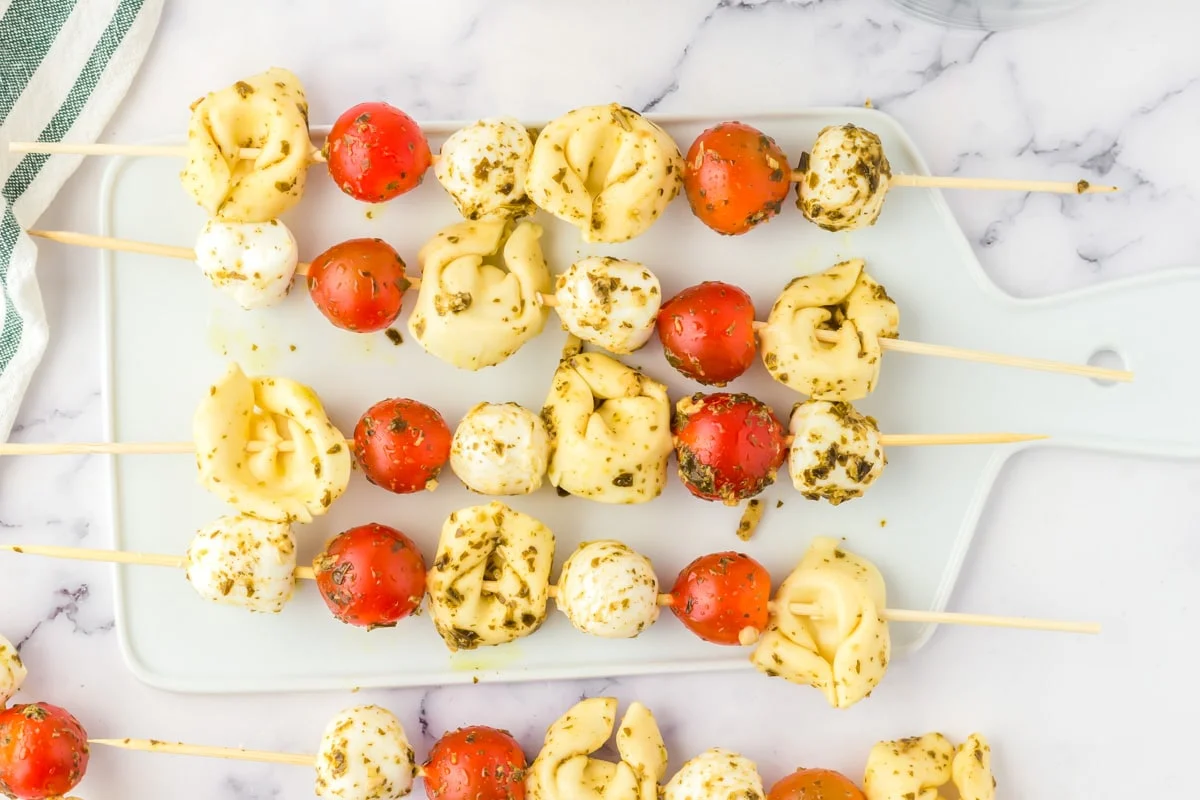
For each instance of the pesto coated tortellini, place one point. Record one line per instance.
(267, 111)
(842, 302)
(474, 314)
(607, 170)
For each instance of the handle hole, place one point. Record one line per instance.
(1106, 358)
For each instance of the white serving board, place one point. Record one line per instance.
(171, 334)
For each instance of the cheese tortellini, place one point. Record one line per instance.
(483, 166)
(490, 581)
(836, 452)
(610, 431)
(365, 755)
(909, 769)
(474, 314)
(565, 770)
(265, 446)
(844, 180)
(268, 111)
(245, 562)
(607, 170)
(610, 302)
(971, 770)
(843, 302)
(12, 671)
(843, 652)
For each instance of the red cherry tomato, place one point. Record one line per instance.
(729, 446)
(476, 763)
(371, 576)
(359, 285)
(815, 784)
(723, 597)
(43, 751)
(401, 445)
(707, 332)
(736, 177)
(376, 152)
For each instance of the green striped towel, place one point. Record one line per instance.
(64, 67)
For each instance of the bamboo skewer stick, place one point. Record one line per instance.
(804, 609)
(983, 357)
(205, 751)
(952, 618)
(317, 156)
(549, 300)
(124, 448)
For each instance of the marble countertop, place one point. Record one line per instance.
(1103, 93)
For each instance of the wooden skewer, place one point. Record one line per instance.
(804, 609)
(150, 248)
(940, 439)
(207, 751)
(124, 448)
(1000, 184)
(983, 357)
(951, 618)
(119, 557)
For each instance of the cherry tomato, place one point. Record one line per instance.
(401, 445)
(723, 597)
(707, 332)
(815, 784)
(43, 751)
(359, 285)
(371, 576)
(476, 763)
(376, 152)
(736, 177)
(729, 446)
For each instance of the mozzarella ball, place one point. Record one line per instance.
(500, 449)
(609, 302)
(716, 774)
(365, 755)
(836, 452)
(12, 671)
(608, 590)
(252, 262)
(483, 168)
(845, 179)
(244, 561)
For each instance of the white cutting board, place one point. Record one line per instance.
(171, 335)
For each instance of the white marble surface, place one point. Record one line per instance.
(1110, 92)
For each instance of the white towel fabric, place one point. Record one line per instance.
(65, 65)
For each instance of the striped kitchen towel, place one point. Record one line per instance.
(64, 67)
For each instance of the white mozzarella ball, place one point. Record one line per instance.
(844, 179)
(609, 302)
(252, 262)
(836, 452)
(483, 168)
(608, 590)
(716, 774)
(365, 755)
(244, 561)
(12, 671)
(500, 449)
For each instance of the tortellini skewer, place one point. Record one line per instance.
(265, 446)
(917, 767)
(490, 581)
(474, 314)
(605, 169)
(845, 651)
(268, 111)
(610, 431)
(565, 770)
(844, 302)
